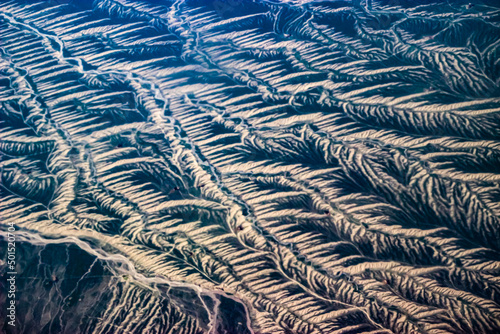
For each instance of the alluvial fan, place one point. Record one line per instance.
(238, 166)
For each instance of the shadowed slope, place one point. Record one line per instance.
(333, 166)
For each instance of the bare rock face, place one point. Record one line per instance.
(238, 166)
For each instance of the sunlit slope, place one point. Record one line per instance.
(334, 166)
